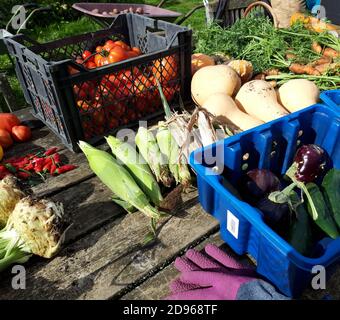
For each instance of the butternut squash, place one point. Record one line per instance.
(243, 68)
(258, 98)
(297, 94)
(225, 110)
(199, 61)
(214, 79)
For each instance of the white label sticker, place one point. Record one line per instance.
(232, 224)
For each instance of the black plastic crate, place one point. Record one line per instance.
(77, 103)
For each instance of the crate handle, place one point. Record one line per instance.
(156, 31)
(332, 252)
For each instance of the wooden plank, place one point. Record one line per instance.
(157, 287)
(88, 206)
(104, 264)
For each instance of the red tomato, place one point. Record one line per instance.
(21, 133)
(79, 60)
(137, 50)
(5, 139)
(99, 49)
(91, 65)
(117, 54)
(8, 121)
(123, 45)
(113, 123)
(80, 93)
(109, 44)
(98, 60)
(86, 55)
(166, 69)
(143, 84)
(131, 54)
(116, 109)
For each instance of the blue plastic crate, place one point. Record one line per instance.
(271, 146)
(331, 98)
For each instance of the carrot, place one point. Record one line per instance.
(272, 72)
(303, 69)
(290, 56)
(260, 76)
(321, 61)
(329, 52)
(316, 47)
(323, 68)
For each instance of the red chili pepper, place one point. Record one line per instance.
(15, 160)
(20, 164)
(39, 164)
(65, 168)
(48, 165)
(29, 166)
(23, 175)
(56, 159)
(50, 151)
(53, 169)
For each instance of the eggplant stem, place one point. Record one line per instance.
(291, 174)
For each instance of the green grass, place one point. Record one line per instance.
(69, 28)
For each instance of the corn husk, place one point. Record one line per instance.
(137, 167)
(149, 149)
(117, 179)
(40, 226)
(170, 149)
(10, 194)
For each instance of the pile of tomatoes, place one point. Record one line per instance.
(110, 52)
(125, 96)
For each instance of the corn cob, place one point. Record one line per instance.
(117, 179)
(169, 149)
(137, 167)
(149, 149)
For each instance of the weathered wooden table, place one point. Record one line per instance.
(103, 256)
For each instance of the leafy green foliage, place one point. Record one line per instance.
(255, 39)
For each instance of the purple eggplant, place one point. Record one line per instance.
(258, 183)
(311, 161)
(275, 215)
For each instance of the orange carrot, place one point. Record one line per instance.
(303, 69)
(323, 68)
(321, 60)
(329, 52)
(316, 47)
